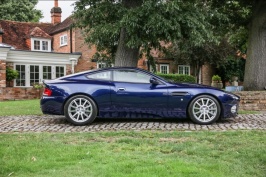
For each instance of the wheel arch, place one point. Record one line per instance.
(79, 93)
(212, 95)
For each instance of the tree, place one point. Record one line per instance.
(255, 70)
(126, 26)
(229, 20)
(22, 10)
(212, 53)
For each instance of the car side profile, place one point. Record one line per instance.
(122, 92)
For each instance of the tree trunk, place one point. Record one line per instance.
(255, 69)
(126, 56)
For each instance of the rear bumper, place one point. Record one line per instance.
(52, 105)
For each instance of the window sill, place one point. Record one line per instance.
(41, 50)
(63, 45)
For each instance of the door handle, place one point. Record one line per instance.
(121, 89)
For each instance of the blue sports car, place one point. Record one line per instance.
(133, 93)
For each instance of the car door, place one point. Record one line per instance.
(133, 95)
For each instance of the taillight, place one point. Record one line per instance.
(47, 92)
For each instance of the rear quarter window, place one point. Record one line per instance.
(105, 75)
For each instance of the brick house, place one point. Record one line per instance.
(41, 51)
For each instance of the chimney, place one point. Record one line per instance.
(1, 35)
(56, 13)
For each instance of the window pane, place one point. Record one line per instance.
(63, 40)
(44, 45)
(164, 69)
(101, 65)
(34, 74)
(47, 74)
(106, 75)
(20, 81)
(186, 70)
(180, 70)
(59, 71)
(131, 76)
(36, 45)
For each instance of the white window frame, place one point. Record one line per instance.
(99, 63)
(63, 40)
(167, 68)
(184, 66)
(41, 40)
(27, 72)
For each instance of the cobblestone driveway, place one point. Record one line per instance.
(46, 123)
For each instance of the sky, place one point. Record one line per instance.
(46, 5)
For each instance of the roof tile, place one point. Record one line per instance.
(17, 33)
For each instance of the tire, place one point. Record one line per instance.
(80, 110)
(204, 110)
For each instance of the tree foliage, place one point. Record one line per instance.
(145, 25)
(229, 24)
(22, 10)
(199, 31)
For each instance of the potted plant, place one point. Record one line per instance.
(217, 82)
(11, 74)
(39, 88)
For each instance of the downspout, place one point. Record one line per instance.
(71, 50)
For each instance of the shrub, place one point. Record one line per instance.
(11, 74)
(177, 77)
(216, 78)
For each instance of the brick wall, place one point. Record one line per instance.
(252, 100)
(15, 93)
(56, 42)
(84, 63)
(2, 73)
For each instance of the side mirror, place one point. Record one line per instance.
(154, 81)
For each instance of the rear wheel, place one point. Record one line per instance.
(80, 110)
(204, 110)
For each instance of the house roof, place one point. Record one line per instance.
(38, 32)
(18, 34)
(62, 26)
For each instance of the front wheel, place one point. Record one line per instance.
(204, 110)
(80, 110)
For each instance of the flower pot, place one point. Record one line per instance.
(217, 84)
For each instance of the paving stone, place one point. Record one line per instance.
(49, 123)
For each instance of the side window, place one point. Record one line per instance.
(105, 75)
(63, 40)
(131, 76)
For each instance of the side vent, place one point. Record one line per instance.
(179, 93)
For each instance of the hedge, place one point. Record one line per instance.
(178, 77)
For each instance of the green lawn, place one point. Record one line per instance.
(134, 154)
(24, 107)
